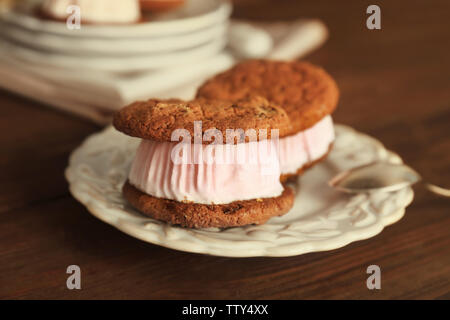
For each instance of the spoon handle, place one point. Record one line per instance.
(438, 190)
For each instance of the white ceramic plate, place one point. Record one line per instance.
(321, 219)
(129, 63)
(195, 15)
(111, 46)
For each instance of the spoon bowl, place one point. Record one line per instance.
(375, 176)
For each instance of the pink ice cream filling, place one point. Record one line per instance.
(220, 174)
(306, 146)
(207, 174)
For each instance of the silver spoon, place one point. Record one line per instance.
(380, 176)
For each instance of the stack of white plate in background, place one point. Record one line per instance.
(97, 69)
(194, 32)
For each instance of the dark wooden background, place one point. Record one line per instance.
(395, 85)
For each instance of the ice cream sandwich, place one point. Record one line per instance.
(307, 93)
(206, 163)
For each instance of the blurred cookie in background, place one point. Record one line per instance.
(160, 5)
(6, 5)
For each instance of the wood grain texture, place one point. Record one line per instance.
(394, 84)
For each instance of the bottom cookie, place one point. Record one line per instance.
(195, 215)
(291, 177)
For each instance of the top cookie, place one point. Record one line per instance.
(157, 119)
(306, 92)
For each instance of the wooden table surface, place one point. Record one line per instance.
(395, 85)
